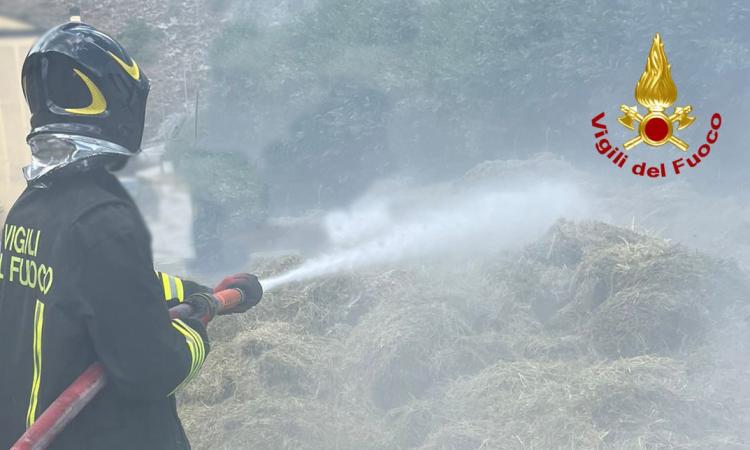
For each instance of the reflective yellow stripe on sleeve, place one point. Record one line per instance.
(196, 347)
(180, 289)
(167, 286)
(173, 287)
(37, 352)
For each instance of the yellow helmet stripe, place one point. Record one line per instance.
(131, 69)
(98, 102)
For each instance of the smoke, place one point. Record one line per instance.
(406, 225)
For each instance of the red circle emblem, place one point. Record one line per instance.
(656, 129)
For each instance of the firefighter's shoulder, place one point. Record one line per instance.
(109, 219)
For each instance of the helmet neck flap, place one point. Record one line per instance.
(53, 152)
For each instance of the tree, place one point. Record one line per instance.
(465, 80)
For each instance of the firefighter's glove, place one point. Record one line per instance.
(248, 285)
(204, 306)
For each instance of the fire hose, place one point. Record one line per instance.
(73, 399)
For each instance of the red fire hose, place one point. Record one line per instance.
(88, 384)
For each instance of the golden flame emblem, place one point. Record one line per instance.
(656, 92)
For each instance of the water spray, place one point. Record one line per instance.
(470, 223)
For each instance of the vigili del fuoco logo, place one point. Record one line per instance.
(657, 126)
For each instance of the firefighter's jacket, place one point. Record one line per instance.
(77, 285)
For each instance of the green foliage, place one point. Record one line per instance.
(226, 179)
(357, 22)
(346, 130)
(468, 80)
(141, 40)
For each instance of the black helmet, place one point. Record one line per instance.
(79, 81)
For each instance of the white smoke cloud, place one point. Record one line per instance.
(405, 225)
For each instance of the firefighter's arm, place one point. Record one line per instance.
(176, 289)
(145, 354)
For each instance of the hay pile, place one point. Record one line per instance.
(592, 337)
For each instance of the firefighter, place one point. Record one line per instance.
(77, 283)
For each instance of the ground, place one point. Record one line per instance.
(593, 336)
